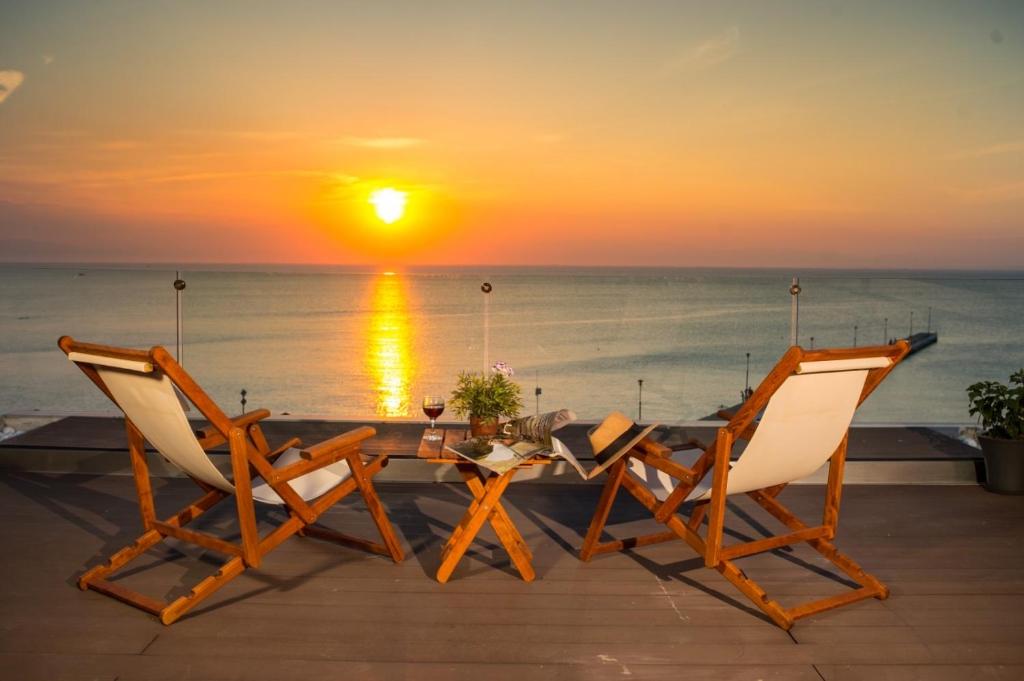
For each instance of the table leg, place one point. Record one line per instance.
(500, 521)
(475, 479)
(471, 523)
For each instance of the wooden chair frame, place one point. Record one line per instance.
(251, 459)
(715, 459)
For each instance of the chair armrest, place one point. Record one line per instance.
(652, 448)
(667, 465)
(344, 446)
(211, 437)
(284, 447)
(343, 441)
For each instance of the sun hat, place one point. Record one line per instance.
(615, 436)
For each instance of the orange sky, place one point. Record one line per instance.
(748, 134)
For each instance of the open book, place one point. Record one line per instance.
(525, 438)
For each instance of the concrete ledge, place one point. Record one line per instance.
(406, 469)
(879, 454)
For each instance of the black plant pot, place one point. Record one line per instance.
(1004, 465)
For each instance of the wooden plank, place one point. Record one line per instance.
(915, 672)
(27, 667)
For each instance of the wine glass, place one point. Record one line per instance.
(433, 406)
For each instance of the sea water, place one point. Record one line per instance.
(366, 344)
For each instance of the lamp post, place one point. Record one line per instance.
(640, 400)
(486, 288)
(746, 382)
(179, 286)
(794, 311)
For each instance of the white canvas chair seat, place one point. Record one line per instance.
(807, 403)
(310, 486)
(148, 399)
(153, 391)
(818, 402)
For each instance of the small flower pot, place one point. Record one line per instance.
(483, 427)
(1004, 464)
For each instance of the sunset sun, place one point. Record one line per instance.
(389, 204)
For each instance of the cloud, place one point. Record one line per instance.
(707, 53)
(991, 150)
(9, 82)
(384, 142)
(48, 59)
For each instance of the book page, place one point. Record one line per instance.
(490, 454)
(559, 450)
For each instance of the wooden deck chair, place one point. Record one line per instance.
(808, 401)
(304, 482)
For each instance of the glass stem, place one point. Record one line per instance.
(432, 424)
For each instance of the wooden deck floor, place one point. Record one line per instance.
(953, 557)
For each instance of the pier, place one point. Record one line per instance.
(920, 340)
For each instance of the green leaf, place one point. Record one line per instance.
(999, 407)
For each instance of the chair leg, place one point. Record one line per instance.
(203, 590)
(604, 507)
(95, 579)
(377, 512)
(320, 505)
(870, 587)
(327, 534)
(755, 593)
(120, 558)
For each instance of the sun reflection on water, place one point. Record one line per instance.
(389, 348)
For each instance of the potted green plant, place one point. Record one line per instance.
(1000, 410)
(486, 398)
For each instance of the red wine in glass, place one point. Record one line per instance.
(433, 406)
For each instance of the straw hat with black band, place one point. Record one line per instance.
(615, 436)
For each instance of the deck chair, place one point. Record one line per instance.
(149, 387)
(808, 401)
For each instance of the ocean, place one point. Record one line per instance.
(364, 344)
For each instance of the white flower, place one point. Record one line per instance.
(503, 369)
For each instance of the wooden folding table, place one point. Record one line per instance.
(487, 488)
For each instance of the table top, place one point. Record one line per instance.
(434, 452)
(434, 449)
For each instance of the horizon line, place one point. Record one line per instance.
(377, 266)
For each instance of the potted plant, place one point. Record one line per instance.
(486, 398)
(1000, 409)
